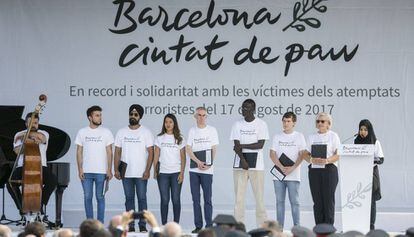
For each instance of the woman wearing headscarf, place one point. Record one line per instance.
(366, 135)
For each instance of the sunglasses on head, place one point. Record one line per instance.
(134, 114)
(320, 121)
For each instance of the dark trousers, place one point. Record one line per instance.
(49, 185)
(373, 214)
(323, 184)
(204, 181)
(168, 183)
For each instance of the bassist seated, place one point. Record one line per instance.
(41, 138)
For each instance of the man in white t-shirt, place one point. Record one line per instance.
(249, 135)
(94, 159)
(292, 145)
(134, 149)
(41, 138)
(202, 140)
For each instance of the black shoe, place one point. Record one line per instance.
(131, 229)
(196, 230)
(143, 229)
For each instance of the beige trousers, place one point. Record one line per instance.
(256, 178)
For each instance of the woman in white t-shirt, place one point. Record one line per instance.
(323, 171)
(366, 135)
(169, 165)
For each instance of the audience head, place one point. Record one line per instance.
(5, 231)
(35, 228)
(89, 227)
(353, 233)
(324, 229)
(410, 232)
(225, 221)
(300, 231)
(240, 226)
(64, 232)
(206, 233)
(172, 229)
(260, 232)
(377, 233)
(273, 227)
(114, 223)
(102, 233)
(235, 233)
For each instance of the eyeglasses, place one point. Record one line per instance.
(320, 121)
(134, 114)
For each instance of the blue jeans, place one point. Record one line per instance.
(205, 181)
(168, 183)
(280, 192)
(138, 185)
(87, 185)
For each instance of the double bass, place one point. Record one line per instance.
(31, 182)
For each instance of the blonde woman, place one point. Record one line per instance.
(323, 171)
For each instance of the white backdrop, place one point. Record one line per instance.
(63, 47)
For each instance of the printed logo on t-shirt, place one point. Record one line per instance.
(287, 144)
(202, 140)
(93, 139)
(132, 139)
(168, 145)
(248, 132)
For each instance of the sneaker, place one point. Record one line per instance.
(143, 229)
(196, 230)
(131, 229)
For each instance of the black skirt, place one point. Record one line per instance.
(376, 186)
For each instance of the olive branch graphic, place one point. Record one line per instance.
(352, 200)
(305, 7)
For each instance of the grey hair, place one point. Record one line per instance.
(327, 116)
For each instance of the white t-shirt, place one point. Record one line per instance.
(94, 143)
(330, 138)
(378, 150)
(248, 133)
(290, 144)
(170, 157)
(42, 147)
(202, 139)
(134, 144)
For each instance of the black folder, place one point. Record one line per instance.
(251, 158)
(202, 156)
(319, 150)
(122, 168)
(285, 161)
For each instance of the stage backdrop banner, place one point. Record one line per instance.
(352, 59)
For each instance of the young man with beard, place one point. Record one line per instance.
(94, 158)
(41, 138)
(134, 146)
(249, 135)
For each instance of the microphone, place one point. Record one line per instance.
(349, 138)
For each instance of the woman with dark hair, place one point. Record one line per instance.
(366, 135)
(169, 164)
